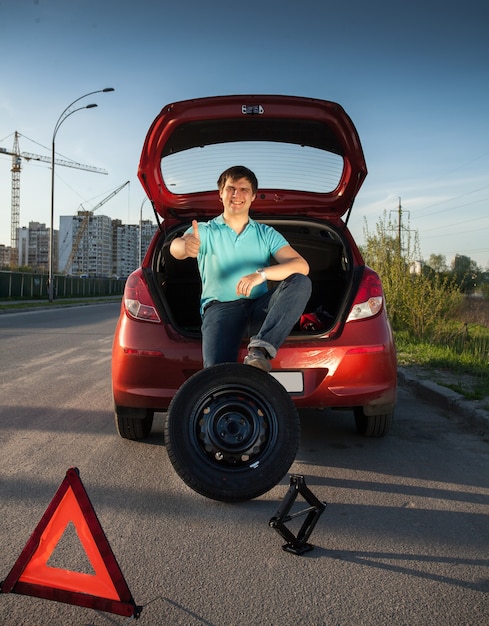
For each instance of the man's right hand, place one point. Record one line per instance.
(188, 245)
(192, 241)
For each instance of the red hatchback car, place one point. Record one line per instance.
(309, 162)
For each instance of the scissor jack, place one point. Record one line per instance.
(297, 545)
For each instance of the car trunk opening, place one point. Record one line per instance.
(177, 283)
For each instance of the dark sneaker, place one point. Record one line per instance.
(257, 358)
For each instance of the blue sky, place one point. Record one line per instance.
(413, 76)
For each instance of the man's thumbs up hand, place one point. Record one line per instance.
(192, 241)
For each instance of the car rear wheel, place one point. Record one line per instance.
(133, 423)
(372, 425)
(231, 432)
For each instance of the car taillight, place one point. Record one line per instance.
(137, 300)
(369, 298)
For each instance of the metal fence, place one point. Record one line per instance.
(19, 285)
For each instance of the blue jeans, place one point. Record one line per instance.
(266, 320)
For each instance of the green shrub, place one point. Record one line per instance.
(416, 299)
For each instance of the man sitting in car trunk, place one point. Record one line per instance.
(233, 254)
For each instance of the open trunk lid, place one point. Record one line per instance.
(305, 152)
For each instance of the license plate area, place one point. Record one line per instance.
(293, 382)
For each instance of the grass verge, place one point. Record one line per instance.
(457, 357)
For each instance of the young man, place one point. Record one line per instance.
(233, 253)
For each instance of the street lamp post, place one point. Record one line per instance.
(66, 113)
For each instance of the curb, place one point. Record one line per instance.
(467, 412)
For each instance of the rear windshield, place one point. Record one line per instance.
(277, 166)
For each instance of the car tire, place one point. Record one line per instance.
(372, 425)
(232, 432)
(133, 423)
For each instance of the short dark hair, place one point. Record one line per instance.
(236, 172)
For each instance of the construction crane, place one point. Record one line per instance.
(17, 157)
(83, 225)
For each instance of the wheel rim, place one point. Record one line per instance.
(233, 427)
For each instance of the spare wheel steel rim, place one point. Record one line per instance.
(233, 427)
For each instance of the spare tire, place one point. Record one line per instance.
(232, 432)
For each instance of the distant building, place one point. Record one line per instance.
(5, 255)
(85, 244)
(416, 268)
(129, 245)
(148, 230)
(125, 239)
(96, 245)
(33, 247)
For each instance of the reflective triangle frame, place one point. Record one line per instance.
(107, 590)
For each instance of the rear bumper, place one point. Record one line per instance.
(340, 376)
(367, 379)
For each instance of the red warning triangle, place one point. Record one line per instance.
(105, 590)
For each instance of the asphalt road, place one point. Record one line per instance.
(404, 539)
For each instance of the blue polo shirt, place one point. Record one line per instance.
(225, 257)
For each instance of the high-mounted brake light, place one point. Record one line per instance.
(369, 299)
(137, 300)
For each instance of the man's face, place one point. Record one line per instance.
(237, 196)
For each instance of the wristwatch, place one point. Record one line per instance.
(261, 271)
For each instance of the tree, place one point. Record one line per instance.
(466, 273)
(438, 263)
